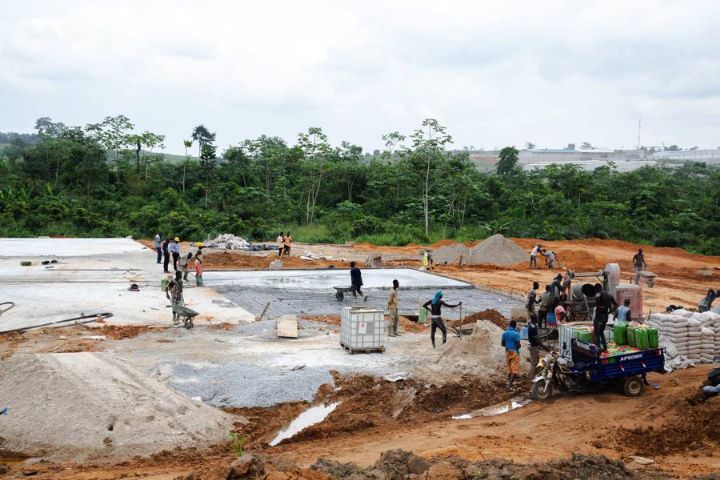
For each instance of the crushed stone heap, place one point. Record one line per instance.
(89, 405)
(495, 250)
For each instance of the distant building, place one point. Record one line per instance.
(705, 156)
(588, 160)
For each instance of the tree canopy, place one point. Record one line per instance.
(96, 181)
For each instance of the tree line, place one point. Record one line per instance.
(105, 179)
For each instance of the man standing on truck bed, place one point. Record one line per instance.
(604, 304)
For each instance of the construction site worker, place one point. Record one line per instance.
(174, 293)
(532, 299)
(706, 303)
(281, 243)
(533, 256)
(166, 254)
(157, 243)
(511, 342)
(356, 281)
(175, 250)
(434, 306)
(535, 345)
(622, 314)
(198, 270)
(561, 314)
(638, 265)
(287, 244)
(185, 265)
(604, 304)
(427, 260)
(546, 302)
(550, 258)
(393, 309)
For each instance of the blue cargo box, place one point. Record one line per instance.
(586, 359)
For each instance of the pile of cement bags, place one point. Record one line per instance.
(692, 335)
(229, 241)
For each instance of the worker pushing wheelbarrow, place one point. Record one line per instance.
(355, 287)
(181, 315)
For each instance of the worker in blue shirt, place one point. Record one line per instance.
(511, 342)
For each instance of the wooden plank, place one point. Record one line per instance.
(264, 311)
(287, 326)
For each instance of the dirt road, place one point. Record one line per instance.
(587, 424)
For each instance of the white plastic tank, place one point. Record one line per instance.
(613, 273)
(362, 329)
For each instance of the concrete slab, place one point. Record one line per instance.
(93, 283)
(328, 278)
(66, 247)
(323, 302)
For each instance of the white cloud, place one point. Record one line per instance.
(494, 72)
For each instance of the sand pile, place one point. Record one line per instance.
(89, 405)
(479, 354)
(496, 250)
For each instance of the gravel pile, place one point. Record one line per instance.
(246, 385)
(454, 254)
(496, 250)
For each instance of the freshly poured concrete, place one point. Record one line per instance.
(66, 247)
(328, 278)
(96, 281)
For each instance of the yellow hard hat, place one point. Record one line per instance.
(177, 239)
(200, 244)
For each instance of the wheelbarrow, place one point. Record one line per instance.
(184, 315)
(457, 327)
(341, 291)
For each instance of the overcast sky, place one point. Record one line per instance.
(495, 73)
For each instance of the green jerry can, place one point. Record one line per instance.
(584, 335)
(641, 339)
(422, 316)
(620, 334)
(653, 338)
(631, 340)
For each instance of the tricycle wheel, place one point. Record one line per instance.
(633, 386)
(339, 296)
(541, 391)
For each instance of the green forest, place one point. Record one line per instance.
(104, 179)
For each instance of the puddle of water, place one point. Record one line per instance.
(309, 417)
(497, 409)
(465, 416)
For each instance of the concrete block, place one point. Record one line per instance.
(287, 326)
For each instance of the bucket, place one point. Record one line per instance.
(422, 316)
(551, 320)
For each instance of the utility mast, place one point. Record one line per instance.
(638, 142)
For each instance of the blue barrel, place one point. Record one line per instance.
(551, 320)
